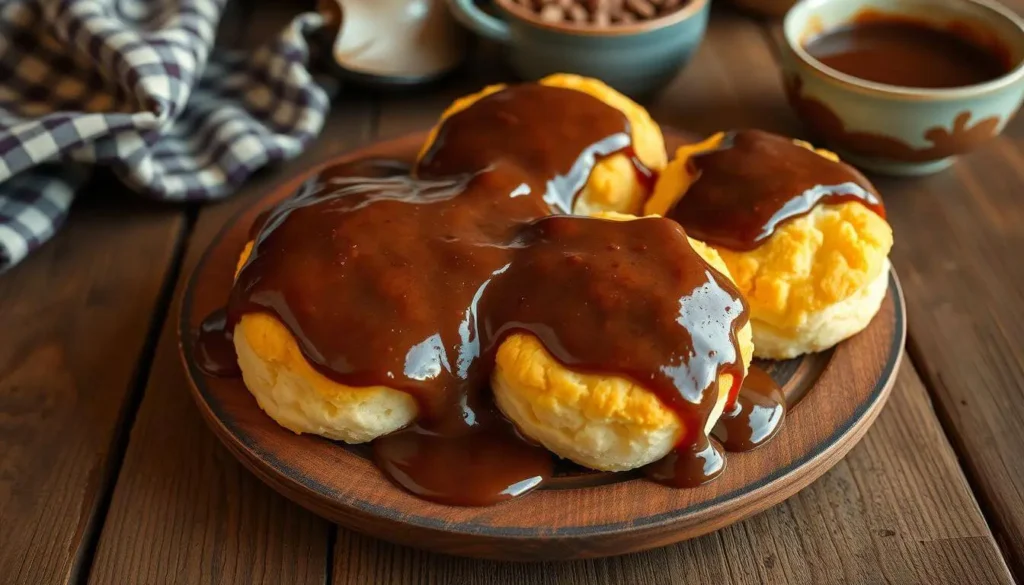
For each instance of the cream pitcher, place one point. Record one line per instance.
(394, 42)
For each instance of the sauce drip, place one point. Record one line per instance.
(906, 53)
(486, 468)
(755, 181)
(756, 415)
(412, 282)
(215, 351)
(689, 465)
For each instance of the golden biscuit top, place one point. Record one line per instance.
(605, 184)
(808, 263)
(677, 176)
(648, 142)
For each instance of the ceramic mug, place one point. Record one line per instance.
(635, 59)
(893, 129)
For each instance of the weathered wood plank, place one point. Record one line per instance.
(184, 511)
(959, 240)
(74, 322)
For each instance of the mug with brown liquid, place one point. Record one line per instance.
(903, 86)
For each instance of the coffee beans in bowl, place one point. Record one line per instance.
(600, 13)
(635, 46)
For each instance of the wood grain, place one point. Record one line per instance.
(183, 510)
(732, 82)
(959, 240)
(896, 510)
(74, 322)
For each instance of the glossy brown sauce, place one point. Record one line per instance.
(215, 349)
(755, 181)
(487, 467)
(906, 53)
(412, 282)
(756, 415)
(689, 465)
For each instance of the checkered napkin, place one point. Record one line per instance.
(133, 85)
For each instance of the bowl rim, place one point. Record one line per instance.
(795, 45)
(691, 9)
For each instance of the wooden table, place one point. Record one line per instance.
(108, 475)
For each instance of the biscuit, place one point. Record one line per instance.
(302, 399)
(613, 184)
(811, 284)
(602, 422)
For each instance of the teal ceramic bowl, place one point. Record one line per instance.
(635, 59)
(894, 129)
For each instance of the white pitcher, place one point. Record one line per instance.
(401, 41)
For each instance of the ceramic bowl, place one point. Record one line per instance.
(635, 59)
(893, 129)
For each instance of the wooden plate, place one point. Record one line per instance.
(583, 514)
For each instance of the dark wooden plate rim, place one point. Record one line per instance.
(878, 393)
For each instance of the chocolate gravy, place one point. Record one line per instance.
(412, 282)
(689, 465)
(487, 467)
(905, 52)
(756, 415)
(755, 181)
(215, 350)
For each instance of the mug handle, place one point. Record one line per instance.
(470, 15)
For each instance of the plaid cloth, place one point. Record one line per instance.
(132, 84)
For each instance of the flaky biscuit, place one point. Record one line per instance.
(613, 184)
(604, 422)
(826, 263)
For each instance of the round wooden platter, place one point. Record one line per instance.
(583, 514)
